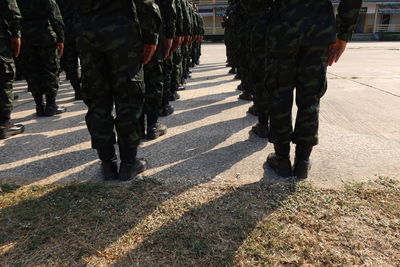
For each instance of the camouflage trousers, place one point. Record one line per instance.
(177, 74)
(154, 83)
(168, 67)
(7, 70)
(185, 62)
(196, 52)
(302, 67)
(69, 60)
(243, 57)
(113, 75)
(257, 59)
(41, 65)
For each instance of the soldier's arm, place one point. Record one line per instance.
(56, 21)
(12, 17)
(150, 20)
(348, 12)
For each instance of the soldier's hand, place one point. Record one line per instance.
(167, 47)
(176, 44)
(148, 52)
(187, 41)
(335, 51)
(15, 45)
(60, 48)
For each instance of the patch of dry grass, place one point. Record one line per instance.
(149, 223)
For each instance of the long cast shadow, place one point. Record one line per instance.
(211, 235)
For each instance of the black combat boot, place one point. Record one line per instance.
(237, 77)
(52, 108)
(261, 130)
(232, 71)
(40, 107)
(279, 161)
(76, 84)
(166, 110)
(154, 129)
(109, 163)
(240, 87)
(302, 162)
(252, 110)
(130, 166)
(174, 96)
(7, 128)
(246, 95)
(181, 88)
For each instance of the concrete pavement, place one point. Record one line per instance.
(209, 138)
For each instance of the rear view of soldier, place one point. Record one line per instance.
(42, 36)
(302, 41)
(113, 46)
(10, 43)
(69, 60)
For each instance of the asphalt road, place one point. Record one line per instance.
(208, 138)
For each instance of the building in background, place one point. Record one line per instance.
(376, 17)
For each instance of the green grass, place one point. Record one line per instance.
(148, 223)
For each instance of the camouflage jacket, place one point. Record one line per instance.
(187, 18)
(42, 22)
(92, 15)
(315, 19)
(179, 18)
(67, 12)
(169, 16)
(10, 19)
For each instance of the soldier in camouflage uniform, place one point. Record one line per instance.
(178, 56)
(302, 40)
(196, 50)
(154, 74)
(114, 39)
(10, 19)
(244, 22)
(170, 71)
(69, 60)
(229, 36)
(259, 13)
(42, 36)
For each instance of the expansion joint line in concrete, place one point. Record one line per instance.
(370, 86)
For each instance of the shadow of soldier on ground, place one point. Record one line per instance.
(144, 222)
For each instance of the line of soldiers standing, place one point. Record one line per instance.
(275, 46)
(134, 55)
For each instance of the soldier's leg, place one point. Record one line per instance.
(257, 64)
(126, 75)
(69, 62)
(198, 53)
(193, 55)
(166, 108)
(49, 79)
(97, 95)
(7, 70)
(154, 82)
(310, 87)
(30, 58)
(176, 74)
(280, 83)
